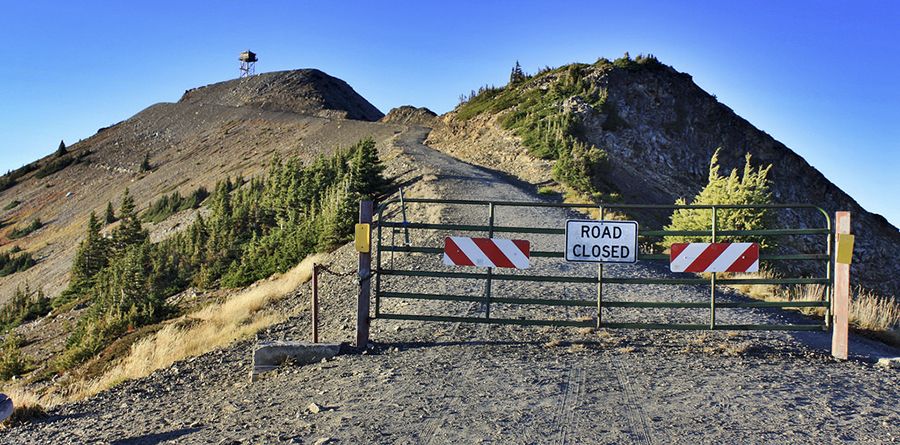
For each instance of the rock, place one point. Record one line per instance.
(314, 408)
(889, 363)
(323, 441)
(271, 354)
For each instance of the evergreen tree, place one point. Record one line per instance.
(110, 216)
(61, 150)
(91, 258)
(366, 171)
(752, 188)
(145, 164)
(517, 75)
(129, 232)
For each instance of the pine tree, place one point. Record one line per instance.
(517, 75)
(145, 164)
(91, 258)
(129, 232)
(61, 150)
(752, 188)
(110, 216)
(366, 171)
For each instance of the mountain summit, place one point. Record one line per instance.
(306, 91)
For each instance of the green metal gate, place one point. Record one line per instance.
(395, 236)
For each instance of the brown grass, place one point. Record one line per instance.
(27, 405)
(868, 311)
(212, 327)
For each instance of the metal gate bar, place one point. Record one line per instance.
(489, 276)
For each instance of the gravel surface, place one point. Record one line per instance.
(461, 383)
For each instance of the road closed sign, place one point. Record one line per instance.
(594, 241)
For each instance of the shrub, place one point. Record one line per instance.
(752, 188)
(12, 363)
(61, 150)
(21, 232)
(145, 163)
(11, 263)
(169, 205)
(25, 305)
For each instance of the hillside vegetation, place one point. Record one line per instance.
(541, 110)
(254, 228)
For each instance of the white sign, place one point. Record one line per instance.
(594, 241)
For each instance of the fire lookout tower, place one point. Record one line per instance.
(248, 63)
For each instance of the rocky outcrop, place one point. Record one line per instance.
(410, 115)
(666, 129)
(307, 91)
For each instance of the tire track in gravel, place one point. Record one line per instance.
(570, 401)
(639, 430)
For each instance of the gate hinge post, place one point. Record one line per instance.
(364, 272)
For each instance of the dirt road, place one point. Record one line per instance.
(457, 383)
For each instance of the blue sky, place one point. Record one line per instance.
(823, 77)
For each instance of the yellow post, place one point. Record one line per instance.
(841, 301)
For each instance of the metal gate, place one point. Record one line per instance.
(401, 271)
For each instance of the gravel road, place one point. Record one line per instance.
(438, 383)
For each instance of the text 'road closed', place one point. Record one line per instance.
(601, 241)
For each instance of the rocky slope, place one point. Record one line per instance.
(410, 115)
(307, 91)
(660, 130)
(223, 130)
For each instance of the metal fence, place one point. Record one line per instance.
(393, 238)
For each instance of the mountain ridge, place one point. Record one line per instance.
(659, 130)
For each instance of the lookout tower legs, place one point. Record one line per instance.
(248, 63)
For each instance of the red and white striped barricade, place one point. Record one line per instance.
(486, 252)
(714, 257)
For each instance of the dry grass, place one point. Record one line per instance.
(210, 328)
(27, 405)
(572, 197)
(868, 311)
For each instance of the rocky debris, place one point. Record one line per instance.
(410, 115)
(269, 355)
(889, 363)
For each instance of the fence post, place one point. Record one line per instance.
(365, 275)
(712, 280)
(841, 300)
(314, 304)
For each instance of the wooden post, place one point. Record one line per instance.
(365, 273)
(315, 303)
(841, 300)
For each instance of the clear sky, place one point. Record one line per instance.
(823, 77)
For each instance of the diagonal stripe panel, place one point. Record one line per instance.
(515, 251)
(706, 258)
(727, 257)
(687, 253)
(714, 257)
(492, 252)
(486, 252)
(453, 255)
(748, 261)
(471, 250)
